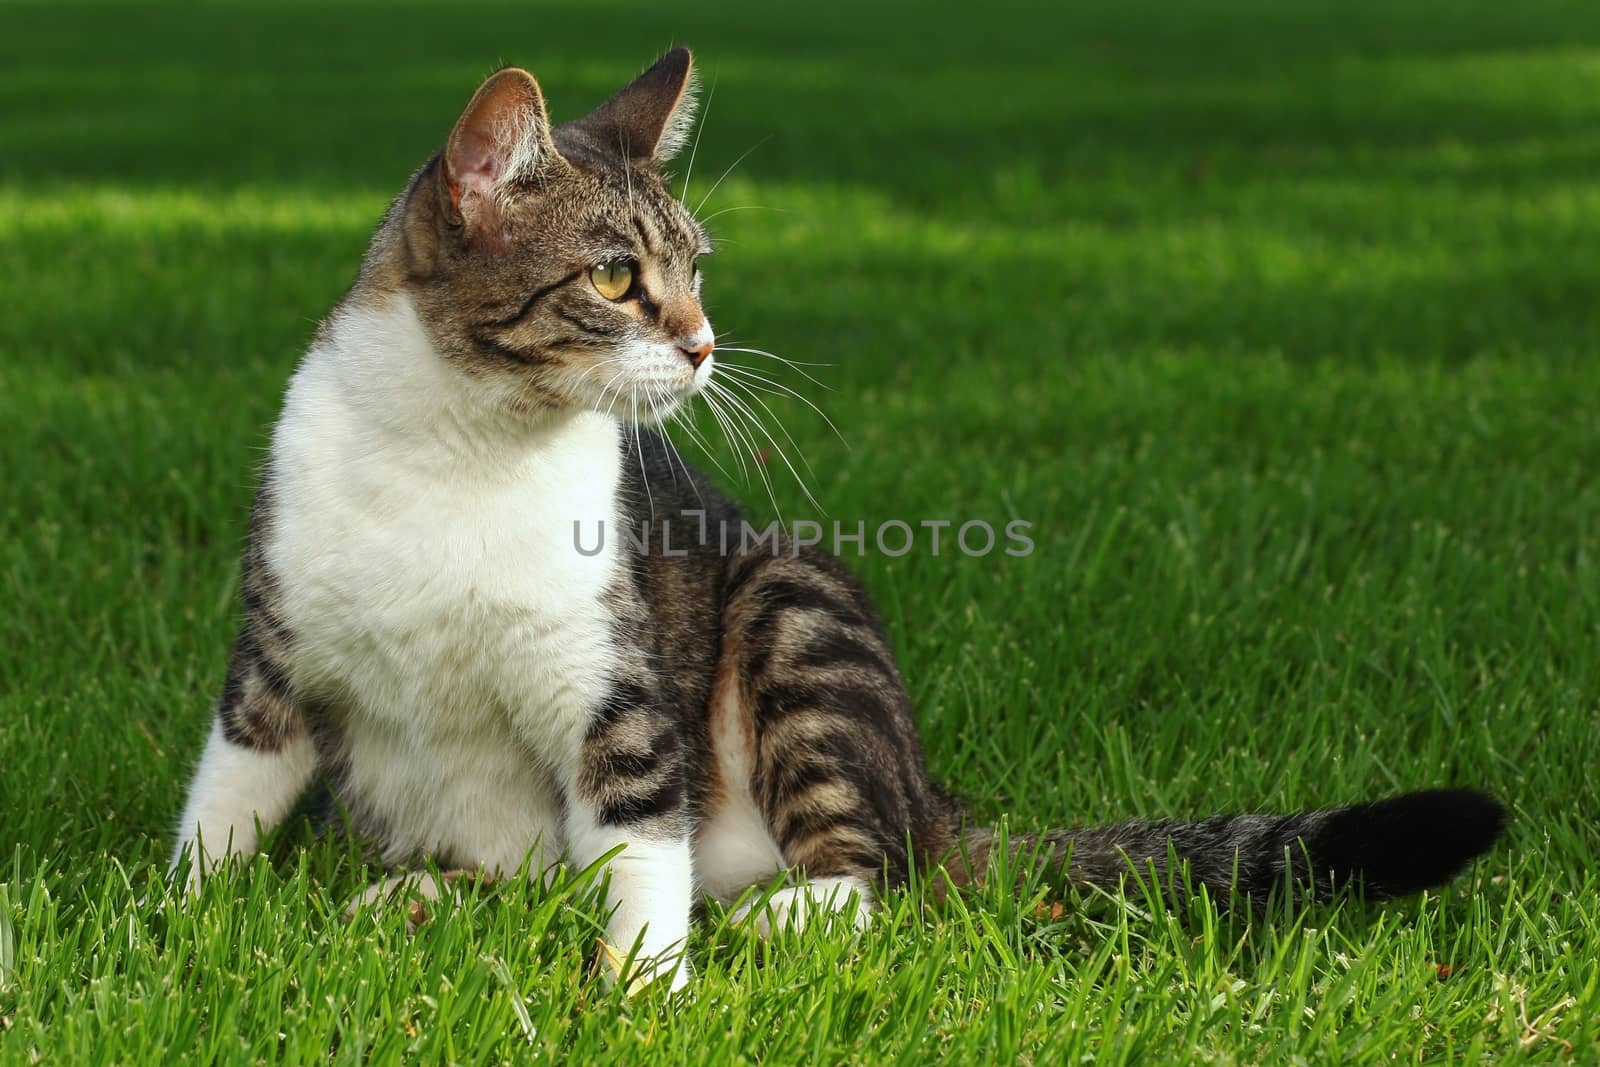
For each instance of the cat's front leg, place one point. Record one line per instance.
(627, 789)
(257, 761)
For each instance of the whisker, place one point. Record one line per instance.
(653, 395)
(727, 172)
(757, 423)
(700, 127)
(750, 390)
(740, 207)
(746, 372)
(657, 393)
(618, 394)
(681, 419)
(627, 169)
(728, 346)
(638, 446)
(798, 365)
(715, 389)
(716, 413)
(743, 444)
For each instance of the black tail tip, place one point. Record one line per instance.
(1411, 842)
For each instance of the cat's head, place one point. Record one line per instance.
(552, 265)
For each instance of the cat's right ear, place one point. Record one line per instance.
(501, 141)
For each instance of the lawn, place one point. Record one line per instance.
(1275, 318)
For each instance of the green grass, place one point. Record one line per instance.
(1275, 318)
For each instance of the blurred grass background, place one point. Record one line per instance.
(1275, 319)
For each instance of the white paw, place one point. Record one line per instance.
(201, 866)
(672, 968)
(824, 899)
(191, 881)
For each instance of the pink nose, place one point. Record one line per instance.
(696, 354)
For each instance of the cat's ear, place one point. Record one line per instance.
(652, 116)
(501, 139)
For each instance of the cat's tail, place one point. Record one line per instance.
(1388, 848)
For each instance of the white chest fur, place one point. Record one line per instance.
(437, 597)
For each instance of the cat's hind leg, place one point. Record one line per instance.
(830, 754)
(846, 897)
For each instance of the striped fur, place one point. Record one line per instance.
(422, 632)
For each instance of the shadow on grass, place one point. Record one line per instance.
(895, 95)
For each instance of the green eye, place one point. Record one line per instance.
(613, 280)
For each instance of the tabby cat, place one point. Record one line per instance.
(422, 632)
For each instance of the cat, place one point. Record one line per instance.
(422, 632)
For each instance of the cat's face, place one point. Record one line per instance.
(552, 265)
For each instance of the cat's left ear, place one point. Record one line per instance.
(650, 118)
(501, 140)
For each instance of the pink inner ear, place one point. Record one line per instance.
(476, 166)
(494, 142)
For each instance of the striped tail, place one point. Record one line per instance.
(1387, 848)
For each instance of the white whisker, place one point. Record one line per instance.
(653, 394)
(672, 447)
(681, 419)
(734, 415)
(750, 390)
(739, 207)
(618, 394)
(798, 365)
(749, 415)
(728, 432)
(716, 413)
(687, 424)
(638, 446)
(705, 113)
(746, 372)
(627, 168)
(725, 174)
